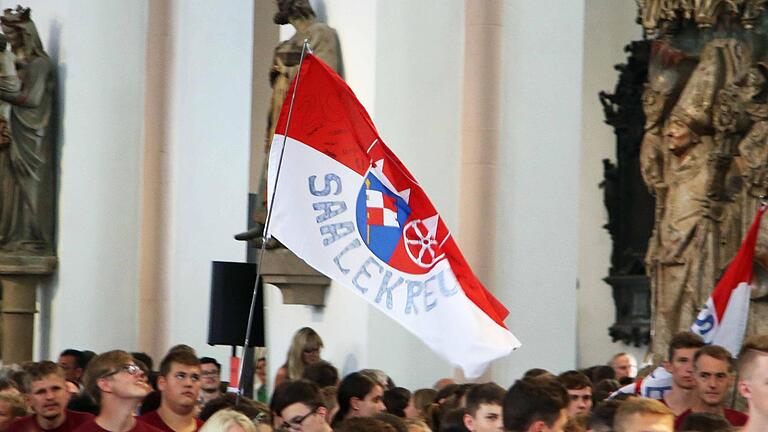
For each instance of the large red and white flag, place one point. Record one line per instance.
(347, 206)
(723, 319)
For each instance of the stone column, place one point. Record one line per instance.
(19, 307)
(481, 129)
(19, 277)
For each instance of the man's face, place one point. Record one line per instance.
(180, 388)
(300, 417)
(48, 397)
(681, 368)
(372, 403)
(126, 382)
(209, 377)
(755, 387)
(486, 419)
(580, 401)
(713, 378)
(649, 423)
(624, 366)
(71, 370)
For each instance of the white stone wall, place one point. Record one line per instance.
(609, 26)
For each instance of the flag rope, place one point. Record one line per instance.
(265, 235)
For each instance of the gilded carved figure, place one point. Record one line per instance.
(704, 155)
(26, 147)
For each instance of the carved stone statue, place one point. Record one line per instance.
(324, 43)
(26, 147)
(704, 155)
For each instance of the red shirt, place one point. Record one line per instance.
(735, 418)
(72, 420)
(153, 418)
(92, 426)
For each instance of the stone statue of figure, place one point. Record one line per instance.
(26, 159)
(697, 228)
(324, 43)
(753, 162)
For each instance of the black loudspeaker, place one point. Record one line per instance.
(232, 287)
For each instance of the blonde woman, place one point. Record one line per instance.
(228, 420)
(304, 350)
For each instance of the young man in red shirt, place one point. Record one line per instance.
(179, 384)
(46, 393)
(118, 385)
(713, 372)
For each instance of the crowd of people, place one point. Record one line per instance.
(117, 391)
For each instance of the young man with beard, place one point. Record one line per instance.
(179, 385)
(753, 381)
(117, 384)
(713, 372)
(483, 411)
(210, 380)
(682, 349)
(46, 393)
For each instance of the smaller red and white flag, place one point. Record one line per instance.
(723, 319)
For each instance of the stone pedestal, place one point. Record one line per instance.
(19, 277)
(298, 282)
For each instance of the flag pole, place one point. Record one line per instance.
(265, 236)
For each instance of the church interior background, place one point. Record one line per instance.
(161, 110)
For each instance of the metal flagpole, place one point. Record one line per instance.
(246, 352)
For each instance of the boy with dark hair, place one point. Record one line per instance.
(601, 418)
(483, 411)
(301, 406)
(679, 363)
(179, 385)
(210, 380)
(753, 381)
(321, 373)
(535, 405)
(579, 389)
(45, 391)
(73, 363)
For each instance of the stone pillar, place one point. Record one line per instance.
(481, 131)
(19, 277)
(19, 307)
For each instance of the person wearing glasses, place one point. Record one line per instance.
(301, 407)
(179, 385)
(305, 350)
(46, 394)
(118, 385)
(210, 380)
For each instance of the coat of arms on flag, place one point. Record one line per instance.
(347, 206)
